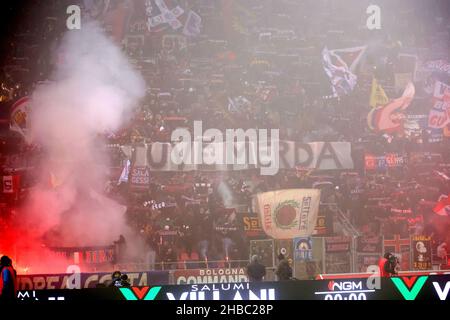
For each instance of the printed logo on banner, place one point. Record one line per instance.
(409, 287)
(290, 213)
(143, 293)
(303, 249)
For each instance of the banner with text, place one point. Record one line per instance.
(216, 275)
(315, 155)
(289, 213)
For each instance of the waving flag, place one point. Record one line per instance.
(377, 97)
(125, 173)
(442, 208)
(20, 112)
(169, 14)
(193, 25)
(349, 57)
(287, 214)
(390, 117)
(343, 81)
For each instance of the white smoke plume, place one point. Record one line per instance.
(93, 91)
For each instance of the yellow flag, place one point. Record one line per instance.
(377, 97)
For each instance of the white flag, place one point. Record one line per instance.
(125, 173)
(290, 213)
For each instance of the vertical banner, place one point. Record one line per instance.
(401, 248)
(421, 249)
(265, 250)
(303, 249)
(290, 213)
(338, 254)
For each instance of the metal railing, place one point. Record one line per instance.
(348, 227)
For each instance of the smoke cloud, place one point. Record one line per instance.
(93, 91)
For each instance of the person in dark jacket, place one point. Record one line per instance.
(388, 265)
(8, 279)
(255, 270)
(116, 279)
(284, 270)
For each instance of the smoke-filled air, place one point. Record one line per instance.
(93, 90)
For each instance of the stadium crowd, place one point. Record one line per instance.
(262, 71)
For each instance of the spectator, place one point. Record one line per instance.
(284, 270)
(8, 281)
(255, 270)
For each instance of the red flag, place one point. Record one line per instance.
(442, 208)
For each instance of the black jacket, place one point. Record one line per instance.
(256, 271)
(284, 270)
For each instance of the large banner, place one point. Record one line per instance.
(216, 275)
(421, 248)
(290, 213)
(315, 155)
(87, 255)
(87, 280)
(386, 161)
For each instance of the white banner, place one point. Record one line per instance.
(314, 155)
(290, 213)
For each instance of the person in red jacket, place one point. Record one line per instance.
(8, 279)
(388, 265)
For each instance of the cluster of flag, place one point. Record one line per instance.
(340, 65)
(164, 14)
(389, 118)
